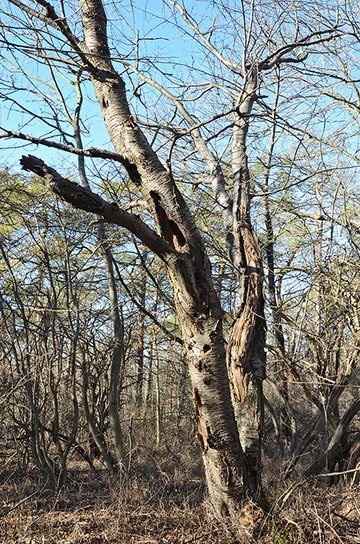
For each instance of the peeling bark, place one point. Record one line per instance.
(176, 225)
(246, 351)
(179, 245)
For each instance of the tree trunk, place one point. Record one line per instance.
(285, 436)
(117, 360)
(196, 303)
(246, 353)
(200, 316)
(117, 355)
(335, 448)
(181, 248)
(225, 467)
(141, 336)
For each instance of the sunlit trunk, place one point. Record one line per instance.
(246, 352)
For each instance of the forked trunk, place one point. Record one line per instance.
(197, 305)
(200, 318)
(180, 246)
(225, 467)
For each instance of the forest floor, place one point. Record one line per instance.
(163, 501)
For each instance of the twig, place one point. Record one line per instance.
(299, 484)
(18, 504)
(188, 540)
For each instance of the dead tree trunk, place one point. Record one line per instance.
(177, 241)
(246, 354)
(200, 316)
(181, 248)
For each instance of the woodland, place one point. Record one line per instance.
(179, 257)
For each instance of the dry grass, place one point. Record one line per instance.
(162, 502)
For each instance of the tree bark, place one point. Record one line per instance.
(117, 355)
(141, 336)
(246, 354)
(180, 247)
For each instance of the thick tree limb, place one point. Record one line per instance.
(334, 450)
(86, 200)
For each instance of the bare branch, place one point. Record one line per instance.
(232, 65)
(84, 199)
(91, 152)
(277, 57)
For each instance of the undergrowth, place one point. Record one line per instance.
(163, 501)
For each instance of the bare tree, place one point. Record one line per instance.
(226, 377)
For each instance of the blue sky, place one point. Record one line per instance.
(165, 51)
(157, 38)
